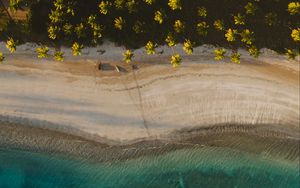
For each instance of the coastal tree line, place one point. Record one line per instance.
(226, 24)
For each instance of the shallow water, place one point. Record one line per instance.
(186, 168)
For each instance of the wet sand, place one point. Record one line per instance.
(268, 143)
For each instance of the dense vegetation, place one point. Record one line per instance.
(251, 24)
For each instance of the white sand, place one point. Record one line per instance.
(201, 92)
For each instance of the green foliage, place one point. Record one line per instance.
(294, 8)
(150, 48)
(230, 35)
(235, 57)
(291, 54)
(253, 51)
(87, 21)
(149, 2)
(61, 11)
(202, 28)
(97, 31)
(11, 45)
(58, 4)
(1, 57)
(202, 12)
(96, 28)
(247, 36)
(76, 48)
(296, 35)
(175, 4)
(239, 19)
(92, 21)
(59, 56)
(131, 6)
(176, 60)
(52, 32)
(138, 27)
(104, 6)
(67, 29)
(56, 16)
(219, 54)
(14, 5)
(250, 8)
(271, 19)
(80, 30)
(159, 16)
(119, 23)
(170, 40)
(119, 4)
(128, 55)
(178, 26)
(188, 47)
(219, 25)
(70, 11)
(42, 52)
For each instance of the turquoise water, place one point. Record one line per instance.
(203, 167)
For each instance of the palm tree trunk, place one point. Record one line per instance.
(6, 10)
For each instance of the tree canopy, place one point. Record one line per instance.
(249, 24)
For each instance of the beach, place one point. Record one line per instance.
(152, 101)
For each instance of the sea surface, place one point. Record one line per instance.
(184, 168)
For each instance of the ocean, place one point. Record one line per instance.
(183, 168)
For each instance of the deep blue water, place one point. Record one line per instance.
(188, 168)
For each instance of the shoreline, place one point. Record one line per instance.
(253, 140)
